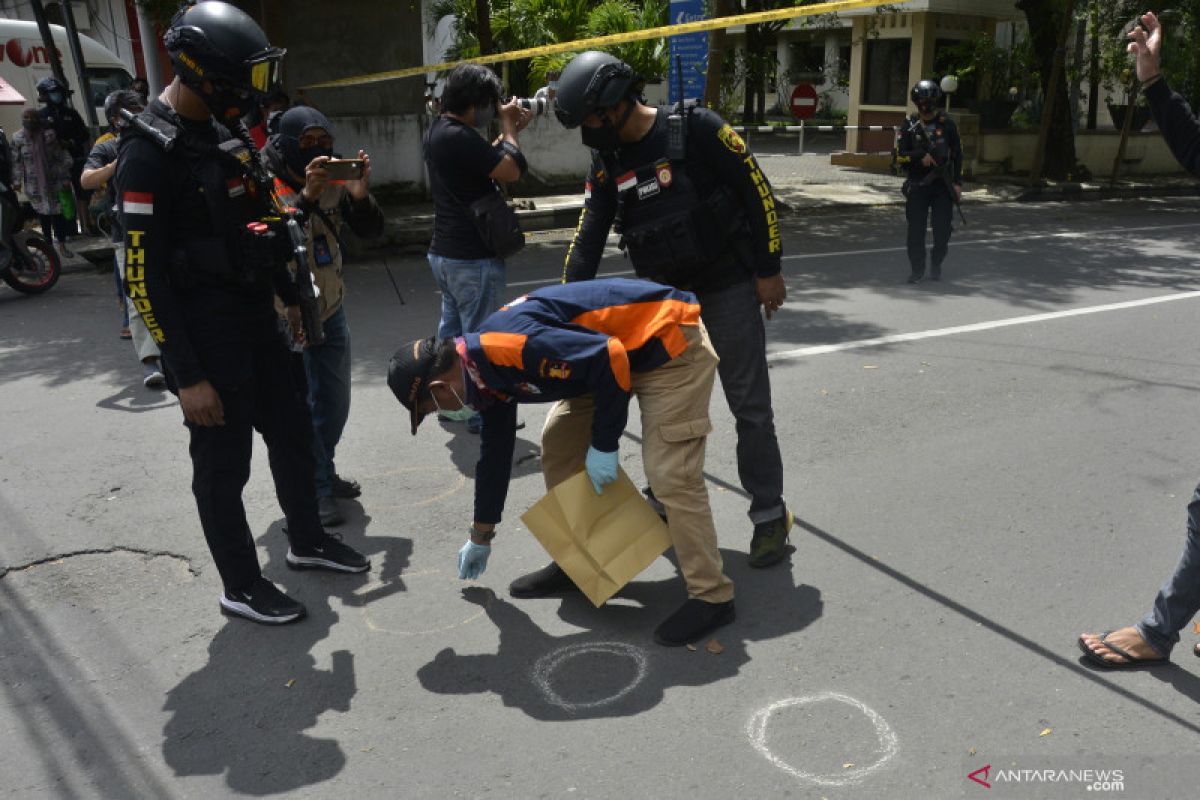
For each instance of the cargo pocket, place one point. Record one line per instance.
(683, 446)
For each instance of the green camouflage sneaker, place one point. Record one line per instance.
(769, 544)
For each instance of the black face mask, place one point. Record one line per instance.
(227, 103)
(605, 138)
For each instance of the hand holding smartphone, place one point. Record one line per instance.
(344, 169)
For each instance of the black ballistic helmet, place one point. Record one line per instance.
(593, 80)
(926, 94)
(217, 42)
(47, 85)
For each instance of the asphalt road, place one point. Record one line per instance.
(982, 469)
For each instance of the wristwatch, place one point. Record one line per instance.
(474, 533)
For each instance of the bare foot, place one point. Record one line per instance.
(1127, 639)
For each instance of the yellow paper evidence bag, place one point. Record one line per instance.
(601, 541)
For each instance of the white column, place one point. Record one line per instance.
(832, 52)
(149, 51)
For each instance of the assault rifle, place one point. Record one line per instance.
(943, 168)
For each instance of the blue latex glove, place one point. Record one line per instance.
(601, 468)
(472, 559)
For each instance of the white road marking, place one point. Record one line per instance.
(547, 664)
(756, 730)
(822, 349)
(547, 281)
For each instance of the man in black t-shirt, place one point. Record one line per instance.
(98, 172)
(464, 167)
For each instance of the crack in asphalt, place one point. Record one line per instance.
(101, 551)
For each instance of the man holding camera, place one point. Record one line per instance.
(464, 168)
(299, 156)
(202, 269)
(694, 212)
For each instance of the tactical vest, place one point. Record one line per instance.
(217, 200)
(676, 229)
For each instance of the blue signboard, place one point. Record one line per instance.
(692, 50)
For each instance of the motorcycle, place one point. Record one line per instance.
(28, 262)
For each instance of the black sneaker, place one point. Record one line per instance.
(328, 553)
(769, 544)
(935, 272)
(261, 602)
(693, 620)
(345, 489)
(547, 581)
(916, 277)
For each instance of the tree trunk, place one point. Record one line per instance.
(483, 27)
(1045, 19)
(1094, 67)
(752, 74)
(717, 42)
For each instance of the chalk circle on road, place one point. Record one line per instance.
(757, 730)
(436, 575)
(547, 665)
(430, 484)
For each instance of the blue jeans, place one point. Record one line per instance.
(328, 369)
(1179, 598)
(471, 290)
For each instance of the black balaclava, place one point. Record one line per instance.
(606, 138)
(286, 140)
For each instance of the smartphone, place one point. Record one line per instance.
(344, 169)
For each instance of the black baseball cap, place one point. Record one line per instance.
(408, 375)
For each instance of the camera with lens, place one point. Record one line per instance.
(539, 105)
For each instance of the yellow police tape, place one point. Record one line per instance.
(596, 42)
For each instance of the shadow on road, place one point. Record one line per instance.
(244, 714)
(613, 668)
(1183, 681)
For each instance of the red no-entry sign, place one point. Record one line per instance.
(804, 101)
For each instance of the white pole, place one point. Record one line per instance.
(801, 137)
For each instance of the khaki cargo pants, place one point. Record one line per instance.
(674, 403)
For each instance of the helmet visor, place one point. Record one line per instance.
(266, 72)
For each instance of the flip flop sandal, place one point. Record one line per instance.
(1130, 659)
(1196, 650)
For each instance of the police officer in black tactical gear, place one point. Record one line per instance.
(70, 129)
(694, 211)
(930, 148)
(202, 273)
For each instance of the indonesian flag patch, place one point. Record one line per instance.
(587, 190)
(626, 181)
(138, 203)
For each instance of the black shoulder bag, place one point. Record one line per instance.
(493, 217)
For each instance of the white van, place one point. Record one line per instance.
(23, 63)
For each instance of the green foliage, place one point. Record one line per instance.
(520, 24)
(986, 70)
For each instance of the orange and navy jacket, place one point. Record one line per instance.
(566, 341)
